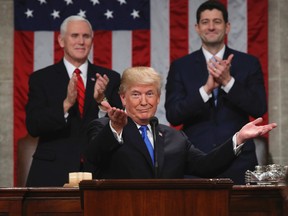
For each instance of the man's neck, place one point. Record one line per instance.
(213, 49)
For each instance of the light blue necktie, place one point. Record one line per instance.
(143, 129)
(215, 93)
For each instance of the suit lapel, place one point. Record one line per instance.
(160, 151)
(89, 92)
(132, 136)
(201, 66)
(61, 78)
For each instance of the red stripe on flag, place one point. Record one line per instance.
(23, 66)
(58, 51)
(141, 41)
(226, 5)
(258, 33)
(179, 33)
(258, 36)
(224, 2)
(102, 48)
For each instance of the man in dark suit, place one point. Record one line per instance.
(117, 148)
(213, 91)
(52, 109)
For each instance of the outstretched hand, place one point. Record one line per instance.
(252, 130)
(118, 117)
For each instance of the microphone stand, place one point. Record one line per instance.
(154, 123)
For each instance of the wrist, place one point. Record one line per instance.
(207, 89)
(66, 105)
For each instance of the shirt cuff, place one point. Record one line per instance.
(101, 112)
(229, 85)
(204, 95)
(66, 116)
(236, 148)
(117, 136)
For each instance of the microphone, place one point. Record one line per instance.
(154, 123)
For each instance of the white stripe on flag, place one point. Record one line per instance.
(194, 40)
(160, 47)
(237, 38)
(43, 49)
(121, 50)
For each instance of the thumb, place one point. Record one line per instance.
(257, 121)
(106, 105)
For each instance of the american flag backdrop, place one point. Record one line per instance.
(126, 33)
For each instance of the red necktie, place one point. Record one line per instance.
(80, 92)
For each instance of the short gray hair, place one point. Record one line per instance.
(63, 27)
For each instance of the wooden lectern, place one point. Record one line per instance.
(156, 197)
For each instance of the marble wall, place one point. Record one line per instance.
(278, 79)
(278, 82)
(6, 93)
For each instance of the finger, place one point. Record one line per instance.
(106, 105)
(257, 121)
(106, 78)
(229, 59)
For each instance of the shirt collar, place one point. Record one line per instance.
(138, 126)
(208, 55)
(70, 68)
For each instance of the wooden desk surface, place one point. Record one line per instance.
(252, 200)
(244, 200)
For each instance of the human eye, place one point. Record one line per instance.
(150, 94)
(204, 22)
(135, 95)
(218, 21)
(87, 36)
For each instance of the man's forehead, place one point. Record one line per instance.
(142, 87)
(211, 13)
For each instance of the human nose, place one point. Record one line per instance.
(81, 40)
(143, 99)
(211, 25)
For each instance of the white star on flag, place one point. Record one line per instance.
(42, 2)
(109, 14)
(68, 2)
(82, 13)
(135, 14)
(122, 2)
(55, 14)
(29, 13)
(95, 2)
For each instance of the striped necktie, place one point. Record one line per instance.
(143, 130)
(80, 92)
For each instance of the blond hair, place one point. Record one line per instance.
(140, 75)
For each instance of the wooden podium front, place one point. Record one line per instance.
(159, 197)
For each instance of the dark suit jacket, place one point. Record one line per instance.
(206, 125)
(61, 142)
(130, 159)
